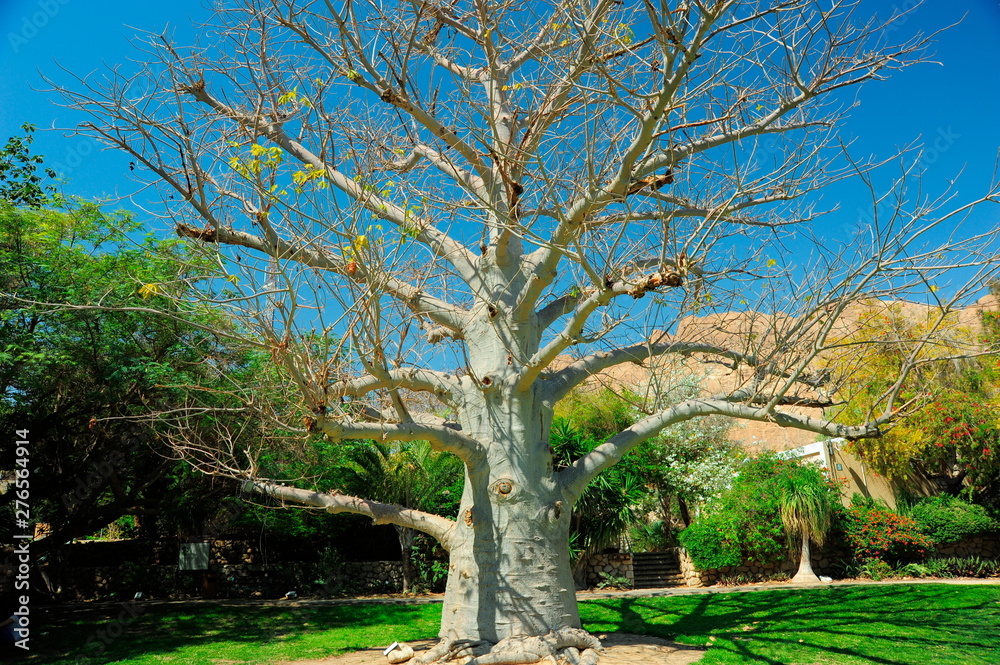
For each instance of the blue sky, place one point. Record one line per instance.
(951, 107)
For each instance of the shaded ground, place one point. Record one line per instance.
(899, 623)
(619, 649)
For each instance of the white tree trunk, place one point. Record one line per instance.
(509, 571)
(805, 572)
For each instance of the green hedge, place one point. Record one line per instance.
(948, 519)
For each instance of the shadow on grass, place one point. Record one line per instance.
(886, 625)
(206, 632)
(889, 625)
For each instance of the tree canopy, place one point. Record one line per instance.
(439, 219)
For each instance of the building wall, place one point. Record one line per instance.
(846, 470)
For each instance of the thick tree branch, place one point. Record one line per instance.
(578, 475)
(381, 513)
(473, 183)
(561, 382)
(570, 334)
(444, 386)
(441, 438)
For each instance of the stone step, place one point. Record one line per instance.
(665, 566)
(655, 577)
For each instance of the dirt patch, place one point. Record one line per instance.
(619, 649)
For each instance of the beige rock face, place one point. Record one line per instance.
(758, 335)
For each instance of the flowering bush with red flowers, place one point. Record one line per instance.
(875, 532)
(961, 432)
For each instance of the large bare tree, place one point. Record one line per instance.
(470, 199)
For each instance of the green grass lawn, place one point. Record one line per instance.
(935, 624)
(929, 624)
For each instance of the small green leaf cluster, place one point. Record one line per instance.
(20, 182)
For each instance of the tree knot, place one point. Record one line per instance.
(205, 235)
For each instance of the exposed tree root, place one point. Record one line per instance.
(569, 646)
(446, 650)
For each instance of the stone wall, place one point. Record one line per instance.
(613, 565)
(238, 568)
(823, 562)
(239, 580)
(984, 547)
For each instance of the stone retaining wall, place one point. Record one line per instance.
(823, 562)
(985, 547)
(228, 580)
(612, 565)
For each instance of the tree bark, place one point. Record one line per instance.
(805, 572)
(406, 552)
(684, 511)
(509, 572)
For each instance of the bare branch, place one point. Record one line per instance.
(440, 437)
(381, 513)
(442, 385)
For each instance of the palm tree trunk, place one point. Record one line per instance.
(406, 536)
(805, 572)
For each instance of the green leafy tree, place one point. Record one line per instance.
(410, 475)
(948, 427)
(20, 181)
(85, 376)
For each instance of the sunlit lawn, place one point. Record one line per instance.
(932, 624)
(936, 624)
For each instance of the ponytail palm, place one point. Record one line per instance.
(806, 506)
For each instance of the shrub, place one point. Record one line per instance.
(609, 581)
(431, 563)
(709, 545)
(874, 532)
(652, 537)
(744, 523)
(948, 519)
(875, 569)
(971, 566)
